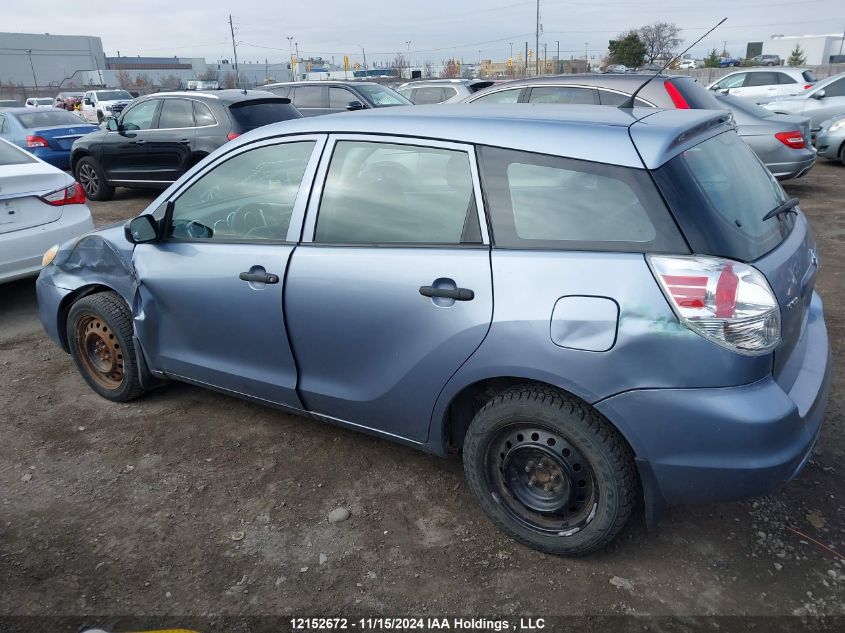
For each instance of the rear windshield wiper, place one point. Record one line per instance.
(789, 205)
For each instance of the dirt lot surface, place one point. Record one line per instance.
(190, 502)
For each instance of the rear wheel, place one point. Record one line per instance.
(842, 154)
(550, 471)
(99, 331)
(90, 175)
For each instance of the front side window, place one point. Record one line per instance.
(539, 201)
(382, 97)
(339, 98)
(501, 96)
(248, 197)
(562, 94)
(835, 89)
(140, 117)
(383, 193)
(176, 113)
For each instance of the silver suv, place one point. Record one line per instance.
(441, 90)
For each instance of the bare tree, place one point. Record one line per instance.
(229, 80)
(428, 72)
(399, 64)
(661, 40)
(208, 75)
(451, 69)
(172, 82)
(124, 79)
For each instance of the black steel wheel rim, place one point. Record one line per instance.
(88, 179)
(541, 479)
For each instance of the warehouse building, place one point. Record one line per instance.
(43, 60)
(818, 49)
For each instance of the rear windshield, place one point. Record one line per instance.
(719, 192)
(11, 155)
(249, 115)
(113, 95)
(49, 118)
(380, 96)
(808, 76)
(696, 95)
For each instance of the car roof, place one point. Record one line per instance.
(587, 79)
(594, 133)
(226, 97)
(25, 110)
(323, 82)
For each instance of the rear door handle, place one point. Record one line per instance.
(262, 278)
(186, 141)
(140, 142)
(458, 294)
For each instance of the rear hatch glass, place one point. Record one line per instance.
(696, 95)
(719, 192)
(248, 115)
(808, 76)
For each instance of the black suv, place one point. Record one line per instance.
(313, 98)
(158, 138)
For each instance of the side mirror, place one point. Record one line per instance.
(819, 94)
(86, 101)
(141, 229)
(355, 105)
(112, 125)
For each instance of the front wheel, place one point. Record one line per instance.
(550, 471)
(90, 175)
(99, 331)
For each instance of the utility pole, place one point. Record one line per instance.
(537, 42)
(842, 41)
(235, 51)
(724, 46)
(557, 63)
(290, 57)
(296, 45)
(364, 53)
(511, 58)
(525, 65)
(34, 80)
(586, 58)
(408, 42)
(545, 58)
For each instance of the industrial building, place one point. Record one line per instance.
(28, 59)
(818, 49)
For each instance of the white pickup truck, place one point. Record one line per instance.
(98, 105)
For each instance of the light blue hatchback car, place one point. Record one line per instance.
(595, 306)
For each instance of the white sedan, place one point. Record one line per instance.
(40, 206)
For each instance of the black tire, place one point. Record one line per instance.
(842, 154)
(91, 176)
(575, 437)
(99, 333)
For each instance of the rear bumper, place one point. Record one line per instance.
(701, 445)
(57, 158)
(793, 169)
(21, 251)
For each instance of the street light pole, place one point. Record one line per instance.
(511, 58)
(290, 57)
(408, 42)
(34, 80)
(296, 45)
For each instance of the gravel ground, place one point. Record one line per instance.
(190, 502)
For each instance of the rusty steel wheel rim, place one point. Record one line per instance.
(100, 352)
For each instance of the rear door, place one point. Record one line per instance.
(761, 85)
(211, 290)
(390, 291)
(171, 142)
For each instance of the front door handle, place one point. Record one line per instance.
(140, 142)
(458, 294)
(186, 141)
(257, 277)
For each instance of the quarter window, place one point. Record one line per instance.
(176, 113)
(202, 115)
(381, 193)
(141, 116)
(248, 197)
(786, 79)
(538, 201)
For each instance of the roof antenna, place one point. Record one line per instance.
(629, 102)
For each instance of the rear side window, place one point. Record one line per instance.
(719, 192)
(538, 201)
(308, 97)
(176, 113)
(786, 79)
(11, 155)
(500, 96)
(609, 98)
(563, 94)
(448, 93)
(202, 115)
(282, 91)
(761, 79)
(252, 114)
(384, 193)
(428, 95)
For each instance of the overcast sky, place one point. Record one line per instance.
(437, 29)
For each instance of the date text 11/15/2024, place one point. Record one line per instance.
(419, 624)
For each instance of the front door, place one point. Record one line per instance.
(211, 290)
(124, 152)
(171, 142)
(390, 291)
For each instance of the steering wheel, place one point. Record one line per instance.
(247, 217)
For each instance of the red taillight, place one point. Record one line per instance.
(73, 194)
(233, 135)
(725, 295)
(807, 86)
(793, 139)
(36, 141)
(676, 96)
